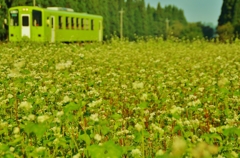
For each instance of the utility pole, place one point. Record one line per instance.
(167, 26)
(34, 2)
(121, 23)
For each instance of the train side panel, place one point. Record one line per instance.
(45, 25)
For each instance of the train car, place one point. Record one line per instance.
(53, 24)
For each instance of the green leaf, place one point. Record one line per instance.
(39, 130)
(15, 141)
(113, 150)
(96, 151)
(4, 148)
(216, 136)
(138, 137)
(85, 138)
(105, 130)
(70, 107)
(143, 105)
(8, 156)
(28, 128)
(116, 116)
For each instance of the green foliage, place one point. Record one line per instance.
(226, 32)
(228, 22)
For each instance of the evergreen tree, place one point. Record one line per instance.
(114, 17)
(3, 16)
(106, 18)
(150, 20)
(159, 20)
(227, 12)
(129, 13)
(140, 16)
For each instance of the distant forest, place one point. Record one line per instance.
(139, 19)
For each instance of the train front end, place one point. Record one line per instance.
(25, 23)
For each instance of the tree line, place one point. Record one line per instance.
(139, 19)
(228, 28)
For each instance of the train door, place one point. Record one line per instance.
(26, 25)
(52, 29)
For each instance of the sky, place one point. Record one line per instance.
(205, 11)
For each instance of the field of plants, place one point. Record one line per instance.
(120, 99)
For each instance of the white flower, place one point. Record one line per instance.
(94, 117)
(40, 149)
(159, 152)
(138, 127)
(97, 137)
(136, 152)
(81, 55)
(19, 64)
(213, 130)
(61, 66)
(9, 96)
(60, 113)
(16, 130)
(12, 149)
(31, 117)
(76, 156)
(42, 118)
(144, 96)
(25, 105)
(95, 103)
(66, 99)
(138, 85)
(56, 141)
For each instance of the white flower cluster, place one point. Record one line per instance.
(95, 103)
(156, 128)
(138, 85)
(136, 153)
(63, 65)
(25, 106)
(94, 117)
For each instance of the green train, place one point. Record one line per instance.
(53, 24)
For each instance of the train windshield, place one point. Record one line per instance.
(36, 18)
(14, 18)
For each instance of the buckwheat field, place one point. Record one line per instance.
(120, 99)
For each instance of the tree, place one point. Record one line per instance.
(159, 20)
(150, 20)
(227, 12)
(3, 15)
(129, 13)
(140, 18)
(193, 30)
(226, 32)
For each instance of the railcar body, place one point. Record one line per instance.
(53, 24)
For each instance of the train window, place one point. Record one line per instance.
(47, 22)
(60, 22)
(72, 22)
(14, 18)
(36, 18)
(82, 24)
(92, 24)
(77, 23)
(87, 24)
(67, 22)
(25, 21)
(52, 22)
